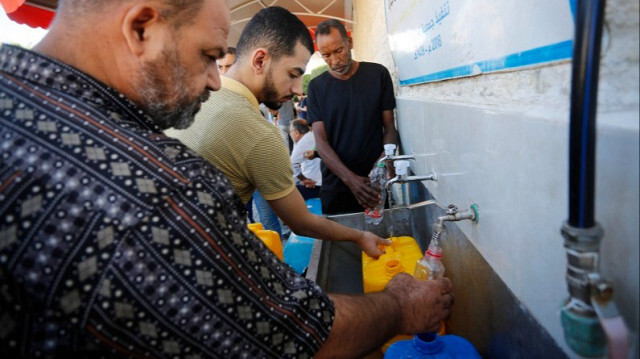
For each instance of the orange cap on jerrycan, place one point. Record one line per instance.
(270, 238)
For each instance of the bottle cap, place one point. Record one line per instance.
(433, 251)
(401, 167)
(389, 149)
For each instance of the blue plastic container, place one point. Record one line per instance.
(297, 250)
(314, 205)
(431, 345)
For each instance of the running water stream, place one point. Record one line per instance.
(435, 237)
(390, 213)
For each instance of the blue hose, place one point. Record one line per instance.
(582, 126)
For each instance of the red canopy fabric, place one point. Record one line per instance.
(34, 16)
(11, 5)
(28, 15)
(312, 32)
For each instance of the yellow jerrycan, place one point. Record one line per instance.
(270, 238)
(400, 257)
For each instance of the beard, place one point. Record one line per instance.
(270, 94)
(347, 67)
(165, 96)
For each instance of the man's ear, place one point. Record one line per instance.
(136, 26)
(260, 60)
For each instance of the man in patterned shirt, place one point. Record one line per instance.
(116, 241)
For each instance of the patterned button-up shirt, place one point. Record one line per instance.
(117, 240)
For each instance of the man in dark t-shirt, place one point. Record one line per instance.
(351, 110)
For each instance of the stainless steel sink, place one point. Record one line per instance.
(486, 312)
(337, 266)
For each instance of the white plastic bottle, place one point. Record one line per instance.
(378, 178)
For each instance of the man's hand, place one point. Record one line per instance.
(360, 187)
(372, 245)
(309, 183)
(391, 169)
(310, 154)
(406, 306)
(424, 303)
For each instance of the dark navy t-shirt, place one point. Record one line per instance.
(351, 111)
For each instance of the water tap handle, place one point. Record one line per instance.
(401, 167)
(389, 149)
(610, 318)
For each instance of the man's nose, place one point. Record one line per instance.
(330, 60)
(213, 78)
(297, 86)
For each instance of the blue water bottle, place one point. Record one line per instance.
(432, 346)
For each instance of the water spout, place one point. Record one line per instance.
(402, 167)
(452, 215)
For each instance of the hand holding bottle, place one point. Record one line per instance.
(425, 304)
(361, 189)
(378, 178)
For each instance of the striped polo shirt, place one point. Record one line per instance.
(231, 133)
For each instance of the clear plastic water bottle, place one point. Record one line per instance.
(430, 266)
(378, 177)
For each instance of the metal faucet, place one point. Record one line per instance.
(453, 215)
(397, 157)
(389, 150)
(402, 177)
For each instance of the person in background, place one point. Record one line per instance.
(301, 108)
(286, 114)
(269, 114)
(117, 241)
(225, 63)
(307, 172)
(350, 108)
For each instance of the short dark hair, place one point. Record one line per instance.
(300, 125)
(276, 29)
(178, 12)
(324, 28)
(231, 50)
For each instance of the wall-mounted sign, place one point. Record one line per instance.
(433, 40)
